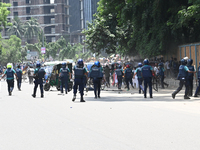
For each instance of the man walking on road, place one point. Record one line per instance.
(182, 75)
(19, 75)
(9, 72)
(147, 76)
(39, 76)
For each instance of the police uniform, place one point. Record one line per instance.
(182, 75)
(10, 79)
(79, 73)
(140, 79)
(64, 78)
(128, 77)
(147, 76)
(19, 80)
(162, 76)
(39, 76)
(189, 81)
(198, 87)
(119, 73)
(96, 74)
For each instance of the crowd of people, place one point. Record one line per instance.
(118, 72)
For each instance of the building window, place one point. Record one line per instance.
(15, 13)
(6, 1)
(52, 11)
(28, 18)
(53, 39)
(52, 1)
(28, 1)
(52, 20)
(15, 3)
(52, 30)
(28, 10)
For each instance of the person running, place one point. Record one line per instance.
(182, 75)
(9, 72)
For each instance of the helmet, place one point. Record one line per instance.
(183, 62)
(160, 64)
(139, 64)
(80, 62)
(127, 66)
(9, 65)
(64, 64)
(146, 61)
(38, 65)
(119, 66)
(97, 63)
(190, 61)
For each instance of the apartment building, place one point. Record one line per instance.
(53, 15)
(56, 17)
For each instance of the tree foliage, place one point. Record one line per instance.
(145, 27)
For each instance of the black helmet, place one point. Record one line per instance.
(190, 61)
(183, 62)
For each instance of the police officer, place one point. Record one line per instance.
(190, 77)
(182, 76)
(64, 75)
(9, 72)
(79, 72)
(19, 75)
(162, 74)
(39, 76)
(96, 74)
(198, 87)
(119, 73)
(128, 77)
(138, 72)
(147, 76)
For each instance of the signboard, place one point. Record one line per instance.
(43, 50)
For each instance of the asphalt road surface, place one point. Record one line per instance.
(116, 121)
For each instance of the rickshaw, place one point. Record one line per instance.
(52, 74)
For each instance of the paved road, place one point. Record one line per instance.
(115, 122)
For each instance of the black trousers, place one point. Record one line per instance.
(97, 86)
(181, 84)
(10, 85)
(38, 82)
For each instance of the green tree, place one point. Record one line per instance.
(17, 28)
(146, 27)
(4, 12)
(32, 28)
(11, 51)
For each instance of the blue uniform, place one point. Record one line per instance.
(128, 77)
(10, 79)
(39, 73)
(79, 80)
(119, 73)
(182, 75)
(140, 79)
(189, 81)
(198, 88)
(96, 74)
(147, 76)
(162, 76)
(19, 76)
(64, 77)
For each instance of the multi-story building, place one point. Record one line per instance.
(56, 17)
(53, 15)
